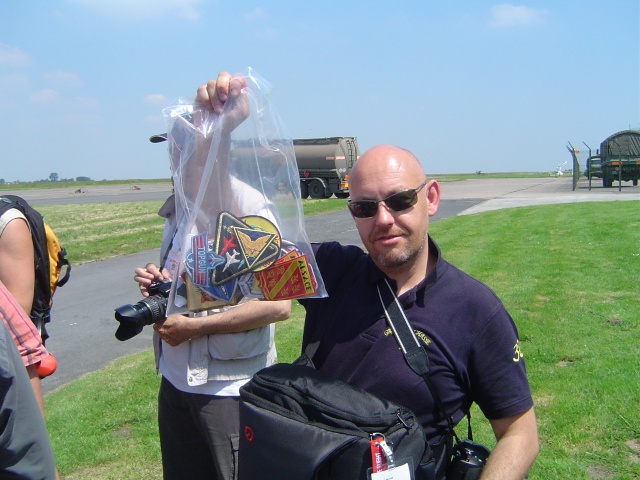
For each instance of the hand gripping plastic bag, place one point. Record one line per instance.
(240, 226)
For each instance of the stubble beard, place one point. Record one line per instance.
(398, 258)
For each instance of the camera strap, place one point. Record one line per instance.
(413, 351)
(165, 254)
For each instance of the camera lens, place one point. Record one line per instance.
(156, 306)
(133, 318)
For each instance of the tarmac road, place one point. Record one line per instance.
(83, 325)
(96, 194)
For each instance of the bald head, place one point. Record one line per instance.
(391, 203)
(385, 162)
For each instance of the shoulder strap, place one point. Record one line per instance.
(413, 352)
(8, 202)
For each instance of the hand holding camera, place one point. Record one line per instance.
(151, 309)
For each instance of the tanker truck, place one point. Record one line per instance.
(324, 165)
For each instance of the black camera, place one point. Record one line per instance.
(149, 310)
(467, 461)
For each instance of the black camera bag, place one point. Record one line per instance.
(297, 423)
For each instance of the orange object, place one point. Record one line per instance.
(47, 366)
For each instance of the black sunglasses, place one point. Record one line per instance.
(397, 202)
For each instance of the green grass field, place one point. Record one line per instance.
(569, 275)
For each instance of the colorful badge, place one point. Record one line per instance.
(249, 287)
(290, 277)
(244, 246)
(198, 300)
(201, 260)
(246, 258)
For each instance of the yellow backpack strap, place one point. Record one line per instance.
(57, 260)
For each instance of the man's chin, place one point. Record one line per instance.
(390, 259)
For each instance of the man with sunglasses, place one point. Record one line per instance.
(470, 339)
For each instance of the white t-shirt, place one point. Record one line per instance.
(8, 216)
(233, 358)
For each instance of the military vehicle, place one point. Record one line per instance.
(324, 165)
(617, 159)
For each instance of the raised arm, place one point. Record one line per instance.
(222, 104)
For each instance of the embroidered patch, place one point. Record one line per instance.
(246, 258)
(248, 285)
(198, 300)
(287, 278)
(246, 245)
(201, 260)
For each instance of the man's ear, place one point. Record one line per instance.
(433, 196)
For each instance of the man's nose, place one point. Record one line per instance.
(167, 208)
(384, 215)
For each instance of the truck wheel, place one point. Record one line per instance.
(341, 195)
(304, 190)
(635, 182)
(316, 189)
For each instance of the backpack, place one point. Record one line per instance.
(49, 260)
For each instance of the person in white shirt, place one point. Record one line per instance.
(206, 358)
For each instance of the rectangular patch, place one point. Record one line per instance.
(199, 249)
(288, 278)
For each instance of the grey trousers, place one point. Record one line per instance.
(198, 435)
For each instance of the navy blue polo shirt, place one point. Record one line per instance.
(471, 340)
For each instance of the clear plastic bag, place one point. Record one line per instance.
(240, 225)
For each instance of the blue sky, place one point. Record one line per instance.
(465, 85)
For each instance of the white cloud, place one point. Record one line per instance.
(13, 57)
(44, 96)
(187, 9)
(507, 15)
(63, 79)
(156, 99)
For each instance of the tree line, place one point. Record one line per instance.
(53, 177)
